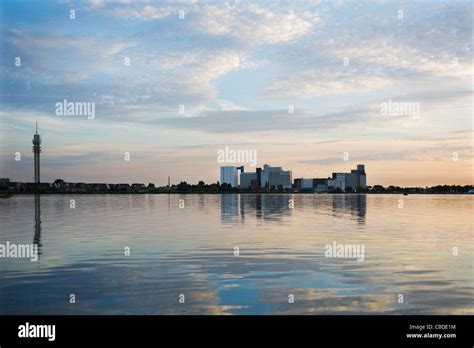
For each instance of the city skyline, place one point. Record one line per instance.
(305, 85)
(229, 172)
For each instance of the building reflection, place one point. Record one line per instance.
(238, 207)
(229, 207)
(274, 207)
(37, 235)
(355, 205)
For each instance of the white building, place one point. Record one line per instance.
(229, 175)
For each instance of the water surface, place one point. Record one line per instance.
(190, 251)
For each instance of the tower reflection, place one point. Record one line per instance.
(37, 235)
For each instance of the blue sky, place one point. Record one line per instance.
(236, 67)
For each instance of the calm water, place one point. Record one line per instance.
(190, 251)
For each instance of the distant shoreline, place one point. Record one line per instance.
(61, 187)
(231, 193)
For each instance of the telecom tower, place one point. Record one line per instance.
(37, 151)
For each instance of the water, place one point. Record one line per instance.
(190, 251)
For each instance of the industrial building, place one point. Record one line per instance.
(249, 179)
(275, 177)
(338, 181)
(353, 181)
(268, 177)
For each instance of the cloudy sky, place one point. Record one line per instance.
(235, 69)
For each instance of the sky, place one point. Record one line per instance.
(302, 83)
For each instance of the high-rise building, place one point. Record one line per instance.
(259, 177)
(229, 175)
(354, 180)
(275, 177)
(362, 176)
(37, 151)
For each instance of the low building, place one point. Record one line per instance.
(98, 187)
(138, 187)
(303, 184)
(4, 182)
(16, 186)
(306, 183)
(315, 184)
(321, 188)
(297, 183)
(122, 187)
(81, 187)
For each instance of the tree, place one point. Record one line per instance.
(58, 183)
(378, 188)
(183, 186)
(226, 187)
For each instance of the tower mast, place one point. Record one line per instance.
(36, 152)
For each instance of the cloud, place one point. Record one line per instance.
(379, 52)
(145, 13)
(238, 121)
(431, 152)
(255, 24)
(235, 67)
(178, 61)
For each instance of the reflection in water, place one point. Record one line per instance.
(230, 208)
(37, 235)
(274, 207)
(351, 204)
(282, 251)
(266, 207)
